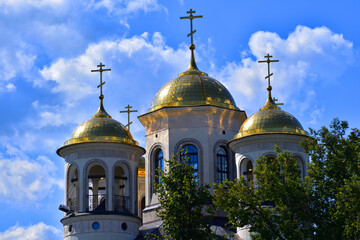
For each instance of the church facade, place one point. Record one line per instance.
(109, 185)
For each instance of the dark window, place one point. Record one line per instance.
(222, 165)
(142, 204)
(248, 174)
(159, 164)
(189, 153)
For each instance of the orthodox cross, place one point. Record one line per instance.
(191, 17)
(128, 111)
(275, 100)
(268, 61)
(101, 82)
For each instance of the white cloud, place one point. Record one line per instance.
(309, 58)
(316, 114)
(136, 64)
(24, 180)
(73, 76)
(10, 87)
(13, 62)
(17, 4)
(123, 7)
(39, 231)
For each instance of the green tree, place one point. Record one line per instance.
(278, 181)
(325, 205)
(182, 202)
(334, 174)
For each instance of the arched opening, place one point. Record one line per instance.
(222, 165)
(159, 164)
(72, 194)
(189, 154)
(142, 206)
(247, 170)
(301, 166)
(97, 188)
(121, 189)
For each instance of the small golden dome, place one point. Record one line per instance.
(101, 128)
(193, 88)
(270, 119)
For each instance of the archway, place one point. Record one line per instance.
(247, 169)
(121, 189)
(72, 186)
(97, 188)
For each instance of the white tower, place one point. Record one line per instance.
(101, 166)
(260, 133)
(196, 113)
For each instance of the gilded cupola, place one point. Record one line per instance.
(270, 119)
(101, 127)
(193, 87)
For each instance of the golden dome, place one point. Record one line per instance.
(193, 88)
(270, 119)
(101, 128)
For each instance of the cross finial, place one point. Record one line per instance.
(192, 66)
(191, 17)
(128, 111)
(268, 61)
(101, 82)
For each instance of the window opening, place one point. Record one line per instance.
(222, 165)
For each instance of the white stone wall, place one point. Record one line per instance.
(110, 227)
(253, 147)
(205, 127)
(109, 155)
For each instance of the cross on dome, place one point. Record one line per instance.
(128, 111)
(191, 17)
(268, 61)
(270, 103)
(101, 82)
(192, 66)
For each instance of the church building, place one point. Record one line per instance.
(109, 178)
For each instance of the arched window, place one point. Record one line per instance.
(142, 205)
(189, 153)
(121, 190)
(72, 189)
(247, 170)
(97, 188)
(222, 165)
(301, 166)
(159, 164)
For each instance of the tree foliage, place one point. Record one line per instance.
(334, 174)
(182, 202)
(278, 180)
(325, 205)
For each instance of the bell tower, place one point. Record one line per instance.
(101, 168)
(260, 133)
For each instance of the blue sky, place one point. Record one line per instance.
(48, 47)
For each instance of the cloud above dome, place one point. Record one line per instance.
(309, 58)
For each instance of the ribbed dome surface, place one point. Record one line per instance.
(193, 88)
(270, 119)
(101, 128)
